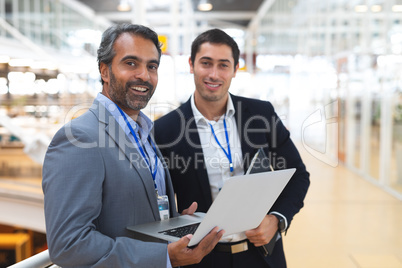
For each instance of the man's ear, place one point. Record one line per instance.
(104, 72)
(191, 65)
(236, 69)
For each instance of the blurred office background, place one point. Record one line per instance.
(332, 69)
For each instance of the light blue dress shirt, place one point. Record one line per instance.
(142, 129)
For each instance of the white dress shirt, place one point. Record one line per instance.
(216, 161)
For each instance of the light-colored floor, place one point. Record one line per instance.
(346, 222)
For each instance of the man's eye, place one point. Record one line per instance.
(130, 63)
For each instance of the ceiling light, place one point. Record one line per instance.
(204, 5)
(361, 8)
(376, 8)
(124, 5)
(397, 8)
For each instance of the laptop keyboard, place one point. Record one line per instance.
(181, 231)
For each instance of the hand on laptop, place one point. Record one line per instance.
(190, 210)
(181, 255)
(264, 232)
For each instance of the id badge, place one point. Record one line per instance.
(163, 205)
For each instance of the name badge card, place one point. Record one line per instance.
(163, 205)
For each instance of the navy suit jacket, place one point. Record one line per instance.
(258, 126)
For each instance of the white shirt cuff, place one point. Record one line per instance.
(279, 214)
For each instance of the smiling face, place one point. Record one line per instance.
(131, 79)
(213, 70)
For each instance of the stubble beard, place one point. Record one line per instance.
(211, 97)
(204, 93)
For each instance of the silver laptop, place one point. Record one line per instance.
(241, 205)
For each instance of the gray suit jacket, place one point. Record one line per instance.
(96, 184)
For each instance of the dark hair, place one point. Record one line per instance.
(106, 52)
(215, 36)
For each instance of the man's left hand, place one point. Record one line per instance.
(191, 209)
(264, 232)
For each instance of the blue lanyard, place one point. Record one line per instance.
(227, 153)
(142, 150)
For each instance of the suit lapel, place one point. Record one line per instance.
(128, 151)
(195, 152)
(242, 115)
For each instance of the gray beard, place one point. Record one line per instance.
(124, 97)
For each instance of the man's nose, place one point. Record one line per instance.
(213, 74)
(142, 74)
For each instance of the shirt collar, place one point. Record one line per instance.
(143, 125)
(201, 120)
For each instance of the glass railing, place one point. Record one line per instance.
(62, 25)
(39, 260)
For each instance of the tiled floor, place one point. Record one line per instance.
(346, 223)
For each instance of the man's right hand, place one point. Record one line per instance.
(181, 255)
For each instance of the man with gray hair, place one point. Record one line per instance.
(103, 172)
